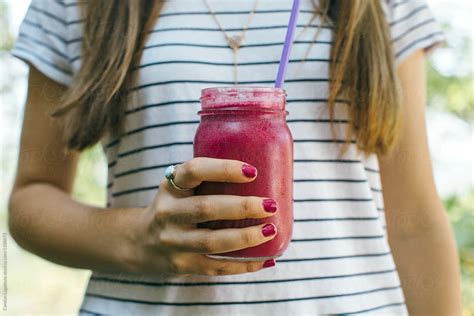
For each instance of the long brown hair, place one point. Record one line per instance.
(362, 71)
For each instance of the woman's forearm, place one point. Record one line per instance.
(49, 223)
(429, 269)
(161, 239)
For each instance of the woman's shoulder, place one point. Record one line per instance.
(50, 37)
(394, 9)
(412, 26)
(59, 12)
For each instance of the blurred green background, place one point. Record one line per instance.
(37, 286)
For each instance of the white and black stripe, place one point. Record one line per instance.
(339, 261)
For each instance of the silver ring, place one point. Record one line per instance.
(170, 173)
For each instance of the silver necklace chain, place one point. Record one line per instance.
(234, 42)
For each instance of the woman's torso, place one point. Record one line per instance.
(339, 260)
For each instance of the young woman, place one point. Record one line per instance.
(370, 233)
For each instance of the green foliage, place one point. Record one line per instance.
(461, 214)
(451, 93)
(453, 90)
(6, 38)
(90, 185)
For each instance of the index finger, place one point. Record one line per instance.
(197, 170)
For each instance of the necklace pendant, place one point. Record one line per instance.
(235, 41)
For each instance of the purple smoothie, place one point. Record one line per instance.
(249, 124)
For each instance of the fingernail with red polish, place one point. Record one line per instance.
(249, 171)
(269, 205)
(268, 230)
(269, 263)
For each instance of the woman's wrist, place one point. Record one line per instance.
(130, 223)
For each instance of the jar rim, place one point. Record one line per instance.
(208, 92)
(255, 97)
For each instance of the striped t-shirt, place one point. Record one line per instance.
(339, 260)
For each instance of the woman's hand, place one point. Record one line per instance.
(168, 241)
(45, 220)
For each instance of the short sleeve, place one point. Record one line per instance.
(43, 40)
(412, 27)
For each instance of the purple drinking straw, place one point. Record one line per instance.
(285, 55)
